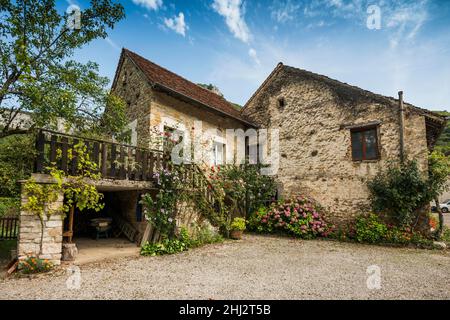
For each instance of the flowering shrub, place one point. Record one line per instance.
(434, 224)
(35, 265)
(300, 217)
(372, 229)
(161, 210)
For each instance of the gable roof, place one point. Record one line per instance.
(165, 80)
(435, 122)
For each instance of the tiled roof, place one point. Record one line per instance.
(164, 78)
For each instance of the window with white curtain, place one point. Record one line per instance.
(218, 155)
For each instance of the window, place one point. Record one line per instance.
(281, 103)
(218, 154)
(172, 137)
(365, 143)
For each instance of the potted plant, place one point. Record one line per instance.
(237, 228)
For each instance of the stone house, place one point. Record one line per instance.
(159, 100)
(334, 136)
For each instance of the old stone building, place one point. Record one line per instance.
(334, 137)
(159, 100)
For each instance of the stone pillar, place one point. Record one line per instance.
(29, 238)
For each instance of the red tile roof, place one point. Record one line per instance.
(162, 77)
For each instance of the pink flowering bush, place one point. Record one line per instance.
(299, 216)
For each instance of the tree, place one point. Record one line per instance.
(37, 76)
(16, 163)
(439, 172)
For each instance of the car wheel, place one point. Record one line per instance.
(445, 210)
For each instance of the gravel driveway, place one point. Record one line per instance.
(257, 267)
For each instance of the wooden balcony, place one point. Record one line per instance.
(114, 161)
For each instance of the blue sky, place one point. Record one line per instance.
(235, 44)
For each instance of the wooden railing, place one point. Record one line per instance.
(114, 161)
(9, 227)
(196, 179)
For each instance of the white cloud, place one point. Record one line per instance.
(406, 21)
(283, 12)
(149, 4)
(233, 13)
(177, 24)
(252, 53)
(112, 43)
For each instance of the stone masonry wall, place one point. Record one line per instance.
(132, 87)
(315, 141)
(29, 239)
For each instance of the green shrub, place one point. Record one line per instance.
(370, 229)
(9, 207)
(35, 265)
(200, 236)
(238, 224)
(399, 191)
(300, 217)
(254, 221)
(166, 246)
(446, 234)
(17, 154)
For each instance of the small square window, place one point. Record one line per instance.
(365, 144)
(281, 103)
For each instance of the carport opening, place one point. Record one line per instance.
(118, 227)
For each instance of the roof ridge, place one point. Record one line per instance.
(279, 66)
(169, 81)
(176, 74)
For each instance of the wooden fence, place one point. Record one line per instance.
(114, 161)
(9, 227)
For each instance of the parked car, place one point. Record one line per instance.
(445, 206)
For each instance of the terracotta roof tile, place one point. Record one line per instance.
(163, 77)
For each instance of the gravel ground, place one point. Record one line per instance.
(257, 267)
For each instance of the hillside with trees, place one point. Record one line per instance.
(443, 143)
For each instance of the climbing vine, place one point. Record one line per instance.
(78, 189)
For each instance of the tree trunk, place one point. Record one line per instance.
(42, 236)
(438, 233)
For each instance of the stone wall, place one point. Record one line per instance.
(29, 239)
(132, 87)
(315, 140)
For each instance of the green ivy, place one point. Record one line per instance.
(78, 190)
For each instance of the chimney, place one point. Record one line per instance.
(401, 126)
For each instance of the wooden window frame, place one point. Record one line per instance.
(363, 142)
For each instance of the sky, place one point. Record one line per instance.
(382, 46)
